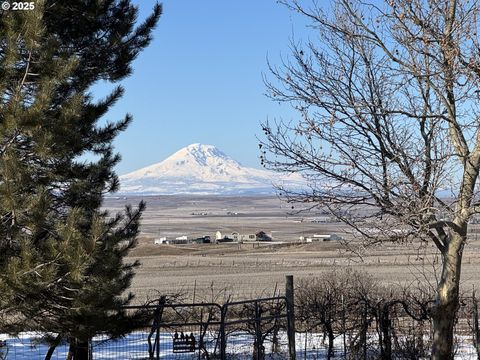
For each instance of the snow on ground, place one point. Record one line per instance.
(135, 346)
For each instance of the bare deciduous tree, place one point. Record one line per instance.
(388, 100)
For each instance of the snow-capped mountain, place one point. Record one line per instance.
(204, 170)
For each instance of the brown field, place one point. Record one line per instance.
(217, 271)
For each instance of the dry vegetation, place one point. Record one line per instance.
(247, 270)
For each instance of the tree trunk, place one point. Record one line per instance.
(364, 332)
(419, 343)
(331, 339)
(71, 349)
(78, 350)
(53, 346)
(82, 352)
(446, 305)
(275, 341)
(385, 334)
(258, 350)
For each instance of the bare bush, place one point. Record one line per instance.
(371, 318)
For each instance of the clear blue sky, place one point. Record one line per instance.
(200, 80)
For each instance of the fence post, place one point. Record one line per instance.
(258, 333)
(476, 330)
(159, 314)
(157, 318)
(289, 294)
(223, 340)
(344, 328)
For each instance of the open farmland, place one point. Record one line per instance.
(217, 271)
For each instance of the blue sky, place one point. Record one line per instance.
(200, 80)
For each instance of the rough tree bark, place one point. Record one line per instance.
(447, 299)
(385, 335)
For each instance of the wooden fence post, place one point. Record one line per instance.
(159, 314)
(223, 339)
(154, 350)
(476, 330)
(344, 327)
(289, 294)
(259, 354)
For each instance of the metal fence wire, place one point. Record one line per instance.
(256, 329)
(268, 329)
(236, 330)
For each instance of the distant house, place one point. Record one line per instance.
(320, 237)
(179, 241)
(224, 239)
(243, 237)
(262, 236)
(218, 235)
(159, 241)
(203, 240)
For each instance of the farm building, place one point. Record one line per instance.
(180, 240)
(177, 241)
(320, 237)
(226, 238)
(262, 236)
(203, 240)
(243, 237)
(162, 240)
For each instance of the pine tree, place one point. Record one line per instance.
(62, 267)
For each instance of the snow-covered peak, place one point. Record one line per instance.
(205, 162)
(201, 169)
(202, 154)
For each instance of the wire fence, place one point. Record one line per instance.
(334, 321)
(234, 330)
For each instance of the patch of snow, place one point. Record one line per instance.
(239, 347)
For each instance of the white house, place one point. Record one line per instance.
(162, 240)
(243, 237)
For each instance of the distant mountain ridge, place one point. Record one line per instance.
(203, 170)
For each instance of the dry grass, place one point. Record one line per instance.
(210, 271)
